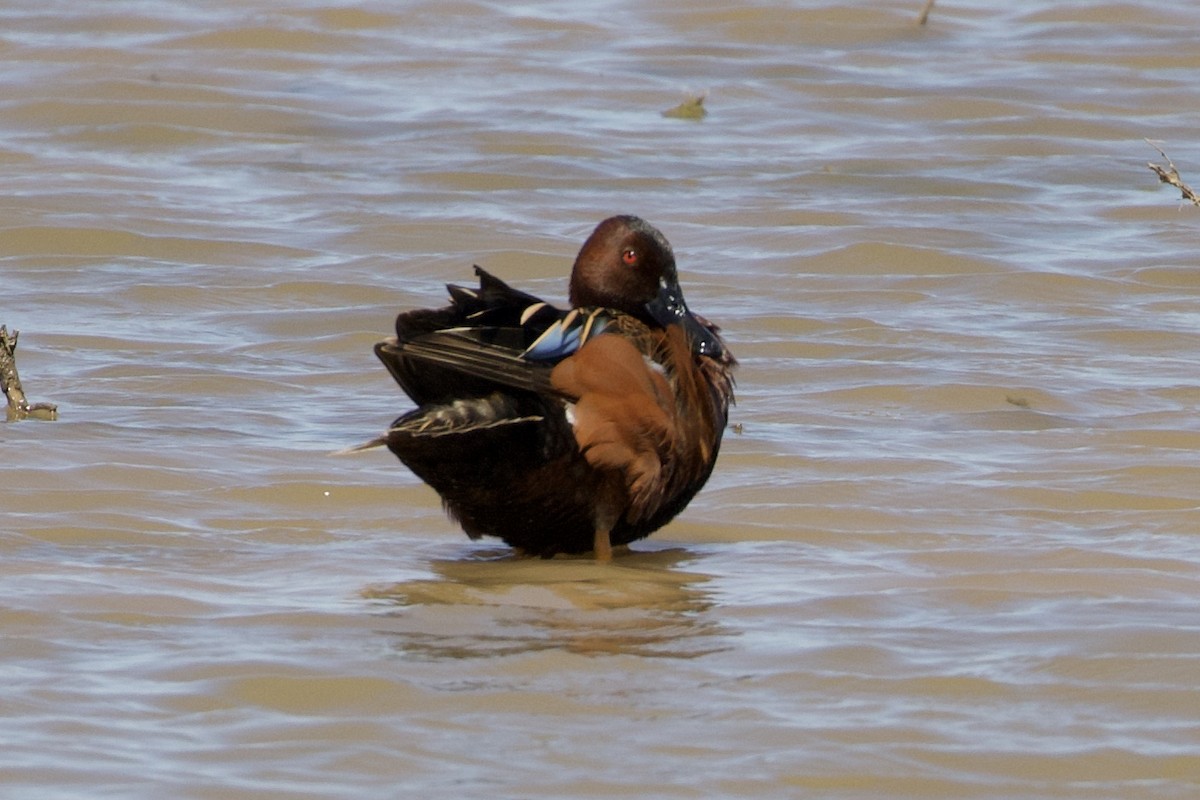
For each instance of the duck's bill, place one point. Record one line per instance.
(669, 308)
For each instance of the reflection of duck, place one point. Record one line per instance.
(480, 607)
(565, 431)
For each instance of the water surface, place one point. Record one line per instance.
(954, 552)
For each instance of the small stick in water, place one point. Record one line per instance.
(1171, 175)
(923, 17)
(18, 407)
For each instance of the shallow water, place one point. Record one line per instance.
(955, 551)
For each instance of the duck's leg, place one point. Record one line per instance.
(603, 521)
(602, 546)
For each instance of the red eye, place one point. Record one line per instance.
(630, 257)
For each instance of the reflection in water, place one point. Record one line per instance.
(495, 604)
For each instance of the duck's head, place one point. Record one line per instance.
(628, 265)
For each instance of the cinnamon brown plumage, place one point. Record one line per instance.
(565, 431)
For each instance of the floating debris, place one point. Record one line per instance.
(18, 407)
(923, 17)
(1171, 175)
(691, 108)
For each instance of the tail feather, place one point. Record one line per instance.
(378, 441)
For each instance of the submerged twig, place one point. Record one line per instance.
(10, 382)
(1170, 175)
(923, 17)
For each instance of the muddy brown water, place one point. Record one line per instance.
(954, 552)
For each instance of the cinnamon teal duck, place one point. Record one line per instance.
(565, 431)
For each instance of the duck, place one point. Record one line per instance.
(564, 430)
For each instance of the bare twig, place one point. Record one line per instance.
(10, 382)
(923, 17)
(1171, 175)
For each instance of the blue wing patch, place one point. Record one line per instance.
(567, 335)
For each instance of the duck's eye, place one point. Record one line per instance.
(630, 257)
